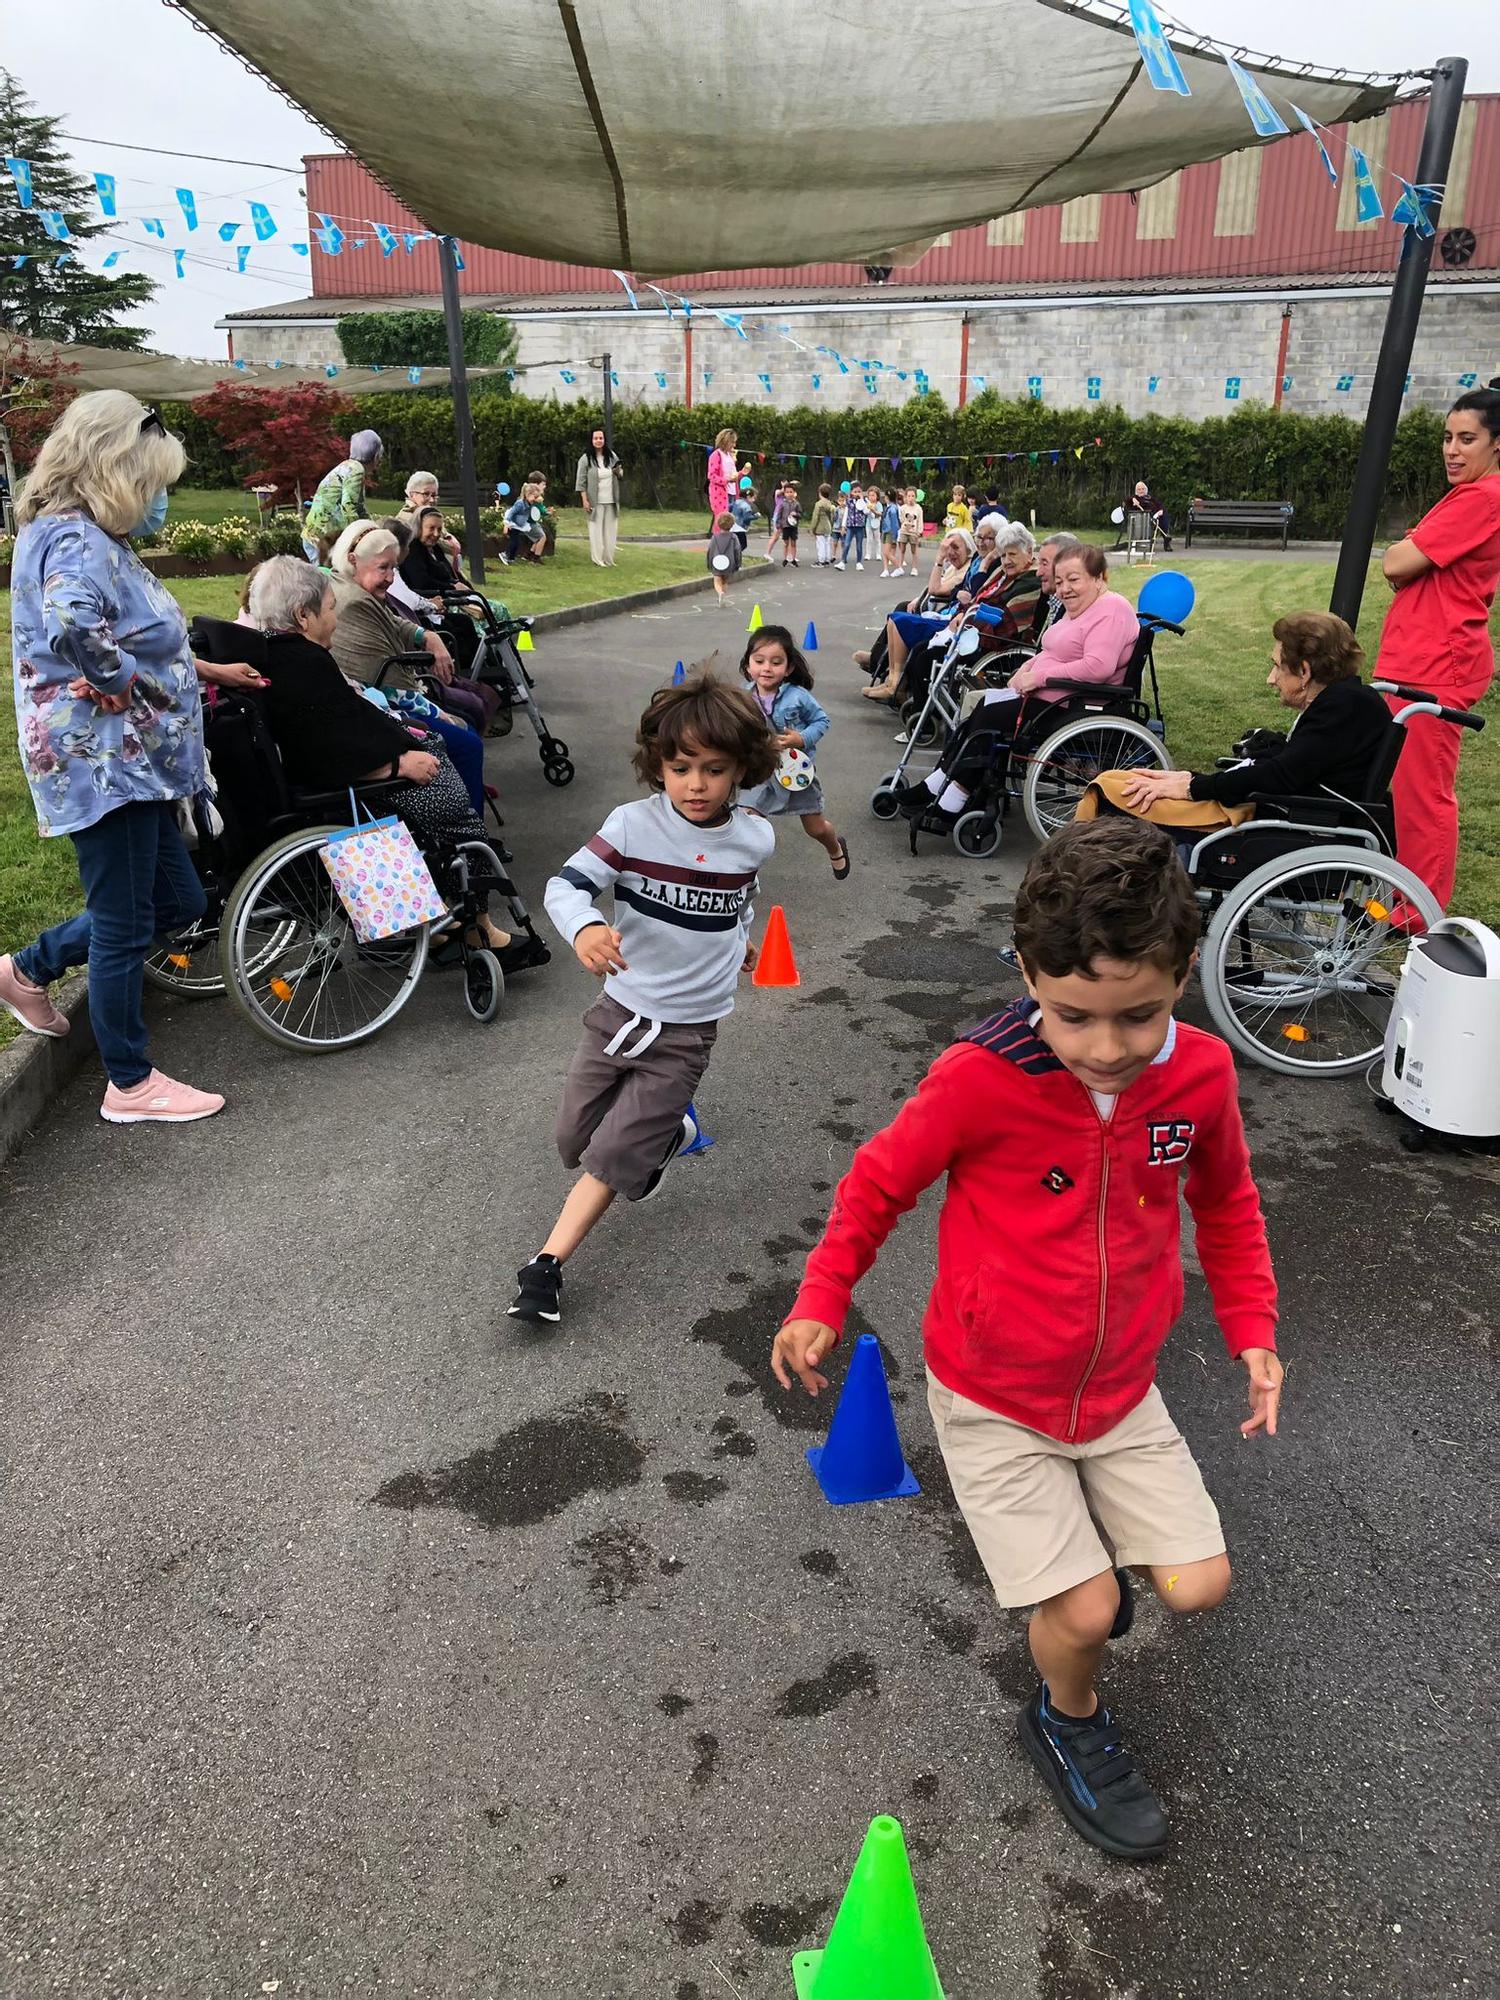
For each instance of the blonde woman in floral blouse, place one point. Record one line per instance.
(109, 718)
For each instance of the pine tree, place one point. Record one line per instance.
(46, 297)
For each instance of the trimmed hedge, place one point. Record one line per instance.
(1256, 453)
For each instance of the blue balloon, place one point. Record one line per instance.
(845, 486)
(503, 490)
(746, 483)
(1167, 597)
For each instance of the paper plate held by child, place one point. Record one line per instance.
(795, 772)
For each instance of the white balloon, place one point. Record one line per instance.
(1118, 516)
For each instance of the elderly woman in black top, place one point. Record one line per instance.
(1340, 727)
(328, 734)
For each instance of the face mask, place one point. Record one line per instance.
(154, 518)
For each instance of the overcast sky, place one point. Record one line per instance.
(134, 71)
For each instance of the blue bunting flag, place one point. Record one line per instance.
(1264, 116)
(104, 187)
(263, 220)
(1161, 65)
(187, 202)
(1366, 197)
(56, 225)
(1317, 137)
(20, 173)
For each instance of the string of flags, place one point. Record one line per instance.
(1413, 208)
(939, 461)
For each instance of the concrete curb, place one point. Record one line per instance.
(34, 1068)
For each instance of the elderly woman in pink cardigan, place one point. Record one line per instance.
(723, 474)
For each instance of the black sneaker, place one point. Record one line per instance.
(539, 1296)
(685, 1134)
(1101, 1793)
(1125, 1616)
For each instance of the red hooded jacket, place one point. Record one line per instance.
(1059, 1249)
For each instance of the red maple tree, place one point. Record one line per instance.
(277, 437)
(35, 389)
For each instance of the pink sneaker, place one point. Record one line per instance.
(29, 1004)
(158, 1100)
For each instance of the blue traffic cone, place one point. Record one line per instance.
(679, 675)
(862, 1459)
(702, 1143)
(810, 638)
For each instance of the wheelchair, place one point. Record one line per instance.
(1308, 917)
(275, 938)
(498, 664)
(1057, 749)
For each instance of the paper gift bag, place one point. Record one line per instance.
(382, 880)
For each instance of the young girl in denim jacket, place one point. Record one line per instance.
(782, 685)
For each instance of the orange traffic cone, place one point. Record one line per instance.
(776, 965)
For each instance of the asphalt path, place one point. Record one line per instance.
(357, 1641)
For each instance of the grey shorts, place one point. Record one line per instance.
(624, 1096)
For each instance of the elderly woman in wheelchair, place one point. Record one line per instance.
(1291, 846)
(1091, 645)
(329, 735)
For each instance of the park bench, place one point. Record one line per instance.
(1272, 517)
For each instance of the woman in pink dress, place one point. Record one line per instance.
(723, 475)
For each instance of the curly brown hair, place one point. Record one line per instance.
(1106, 888)
(704, 714)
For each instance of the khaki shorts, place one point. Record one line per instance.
(1047, 1515)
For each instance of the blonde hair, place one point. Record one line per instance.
(366, 535)
(725, 439)
(97, 460)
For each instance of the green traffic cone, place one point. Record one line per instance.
(877, 1949)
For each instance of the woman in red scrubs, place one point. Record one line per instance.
(1437, 633)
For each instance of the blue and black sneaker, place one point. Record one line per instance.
(1101, 1793)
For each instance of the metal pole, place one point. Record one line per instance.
(609, 411)
(467, 478)
(1443, 107)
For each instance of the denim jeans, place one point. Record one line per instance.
(467, 751)
(854, 538)
(138, 883)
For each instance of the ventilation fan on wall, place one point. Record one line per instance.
(1456, 247)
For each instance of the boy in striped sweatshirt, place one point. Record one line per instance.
(682, 866)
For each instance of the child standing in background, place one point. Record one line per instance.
(911, 531)
(854, 528)
(781, 682)
(823, 515)
(742, 511)
(959, 514)
(723, 555)
(682, 865)
(890, 535)
(778, 507)
(791, 521)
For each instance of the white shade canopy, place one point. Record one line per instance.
(664, 136)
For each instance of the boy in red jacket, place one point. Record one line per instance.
(1064, 1124)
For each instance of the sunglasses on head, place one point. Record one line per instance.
(152, 421)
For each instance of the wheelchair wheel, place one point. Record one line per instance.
(977, 835)
(293, 966)
(188, 964)
(484, 985)
(559, 771)
(924, 736)
(1061, 767)
(883, 799)
(1301, 960)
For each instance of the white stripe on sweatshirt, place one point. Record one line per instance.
(682, 904)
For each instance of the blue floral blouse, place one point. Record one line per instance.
(85, 606)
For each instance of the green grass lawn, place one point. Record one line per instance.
(216, 503)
